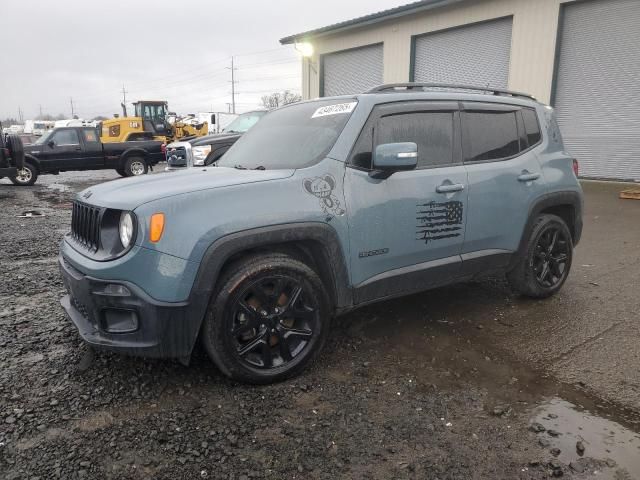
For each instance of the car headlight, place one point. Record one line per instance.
(200, 154)
(126, 228)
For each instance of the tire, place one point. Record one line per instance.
(16, 149)
(26, 176)
(272, 347)
(121, 172)
(544, 265)
(135, 166)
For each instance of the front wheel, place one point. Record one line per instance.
(121, 172)
(135, 166)
(544, 265)
(27, 175)
(268, 319)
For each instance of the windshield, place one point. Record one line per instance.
(244, 122)
(295, 136)
(44, 138)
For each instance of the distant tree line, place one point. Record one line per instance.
(278, 99)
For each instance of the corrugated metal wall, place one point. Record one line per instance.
(598, 87)
(477, 54)
(352, 71)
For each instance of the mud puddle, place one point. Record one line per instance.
(450, 352)
(577, 437)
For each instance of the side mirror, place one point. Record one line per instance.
(213, 119)
(394, 157)
(51, 143)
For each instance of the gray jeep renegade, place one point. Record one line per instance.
(323, 206)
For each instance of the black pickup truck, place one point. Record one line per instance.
(80, 148)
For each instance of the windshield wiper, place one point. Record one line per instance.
(260, 167)
(239, 167)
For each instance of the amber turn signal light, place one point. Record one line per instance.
(157, 227)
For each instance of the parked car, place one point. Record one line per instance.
(336, 203)
(11, 154)
(203, 151)
(79, 148)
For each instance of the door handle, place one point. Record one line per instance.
(528, 177)
(78, 149)
(449, 188)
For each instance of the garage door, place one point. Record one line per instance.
(474, 55)
(597, 93)
(352, 71)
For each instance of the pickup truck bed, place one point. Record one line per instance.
(79, 148)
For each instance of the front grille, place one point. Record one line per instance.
(177, 156)
(85, 225)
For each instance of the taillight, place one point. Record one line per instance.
(163, 148)
(576, 167)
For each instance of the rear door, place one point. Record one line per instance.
(407, 231)
(504, 179)
(93, 156)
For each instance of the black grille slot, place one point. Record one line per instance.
(85, 225)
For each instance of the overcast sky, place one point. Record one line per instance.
(54, 50)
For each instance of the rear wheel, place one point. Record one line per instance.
(121, 172)
(268, 319)
(544, 265)
(27, 175)
(135, 166)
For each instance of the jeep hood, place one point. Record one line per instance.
(129, 193)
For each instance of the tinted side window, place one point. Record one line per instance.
(66, 137)
(490, 135)
(431, 131)
(531, 126)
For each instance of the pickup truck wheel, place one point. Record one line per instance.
(27, 175)
(268, 319)
(544, 265)
(121, 172)
(135, 166)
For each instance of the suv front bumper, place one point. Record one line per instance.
(120, 316)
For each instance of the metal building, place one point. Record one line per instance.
(580, 56)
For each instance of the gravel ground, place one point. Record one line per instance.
(425, 387)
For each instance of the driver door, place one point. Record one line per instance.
(63, 151)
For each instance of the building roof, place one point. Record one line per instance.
(376, 17)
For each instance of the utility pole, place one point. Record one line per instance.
(40, 108)
(233, 87)
(20, 115)
(124, 101)
(72, 111)
(228, 108)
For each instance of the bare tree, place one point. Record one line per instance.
(278, 99)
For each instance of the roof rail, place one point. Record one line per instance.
(423, 86)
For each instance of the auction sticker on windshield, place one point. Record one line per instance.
(334, 109)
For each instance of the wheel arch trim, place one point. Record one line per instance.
(555, 199)
(224, 248)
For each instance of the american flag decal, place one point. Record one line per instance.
(439, 220)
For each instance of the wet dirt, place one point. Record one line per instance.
(442, 385)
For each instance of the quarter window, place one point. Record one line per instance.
(490, 135)
(432, 132)
(90, 135)
(66, 137)
(531, 126)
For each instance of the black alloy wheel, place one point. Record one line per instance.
(550, 258)
(271, 322)
(268, 318)
(543, 263)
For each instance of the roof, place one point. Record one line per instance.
(372, 18)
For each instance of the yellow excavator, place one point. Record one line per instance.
(151, 121)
